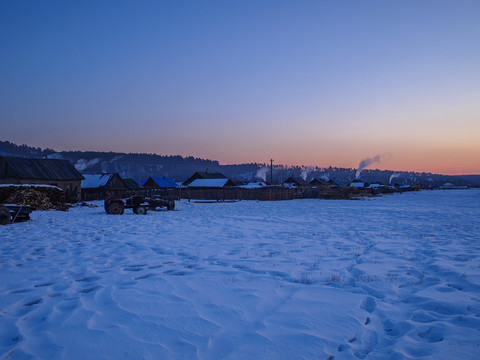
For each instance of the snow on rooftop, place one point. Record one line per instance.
(93, 181)
(359, 184)
(31, 185)
(217, 183)
(254, 185)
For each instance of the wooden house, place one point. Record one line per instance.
(295, 182)
(56, 172)
(159, 183)
(357, 183)
(335, 182)
(203, 175)
(131, 184)
(98, 186)
(211, 183)
(133, 187)
(319, 182)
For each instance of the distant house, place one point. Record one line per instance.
(131, 184)
(56, 172)
(319, 182)
(159, 183)
(97, 186)
(399, 185)
(211, 183)
(447, 186)
(375, 185)
(357, 183)
(203, 175)
(295, 182)
(254, 185)
(335, 182)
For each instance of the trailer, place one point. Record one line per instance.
(10, 213)
(139, 204)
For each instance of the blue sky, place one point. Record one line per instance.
(305, 82)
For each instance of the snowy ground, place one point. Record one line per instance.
(396, 277)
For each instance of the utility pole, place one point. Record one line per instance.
(271, 171)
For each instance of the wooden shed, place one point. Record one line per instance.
(154, 182)
(203, 175)
(97, 186)
(56, 172)
(131, 184)
(295, 182)
(319, 182)
(211, 183)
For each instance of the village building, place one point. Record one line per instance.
(55, 172)
(335, 182)
(211, 183)
(98, 186)
(131, 184)
(375, 185)
(159, 183)
(203, 175)
(294, 182)
(319, 182)
(447, 186)
(254, 185)
(399, 185)
(357, 183)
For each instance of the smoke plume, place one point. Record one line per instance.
(262, 173)
(82, 164)
(394, 176)
(369, 161)
(306, 171)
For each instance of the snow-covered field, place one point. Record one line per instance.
(395, 277)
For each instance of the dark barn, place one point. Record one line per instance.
(203, 175)
(56, 172)
(295, 182)
(98, 186)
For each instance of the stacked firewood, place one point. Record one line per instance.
(41, 198)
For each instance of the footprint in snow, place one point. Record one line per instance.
(88, 279)
(88, 290)
(19, 291)
(146, 276)
(432, 335)
(33, 302)
(369, 304)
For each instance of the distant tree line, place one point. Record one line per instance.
(8, 148)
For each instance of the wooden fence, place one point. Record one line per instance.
(263, 194)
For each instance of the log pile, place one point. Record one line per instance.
(41, 198)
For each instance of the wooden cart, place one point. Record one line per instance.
(10, 213)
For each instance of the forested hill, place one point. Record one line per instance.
(134, 165)
(179, 168)
(137, 166)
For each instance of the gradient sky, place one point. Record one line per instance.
(303, 82)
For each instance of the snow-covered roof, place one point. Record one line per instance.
(160, 182)
(357, 183)
(31, 185)
(209, 183)
(254, 185)
(93, 181)
(295, 181)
